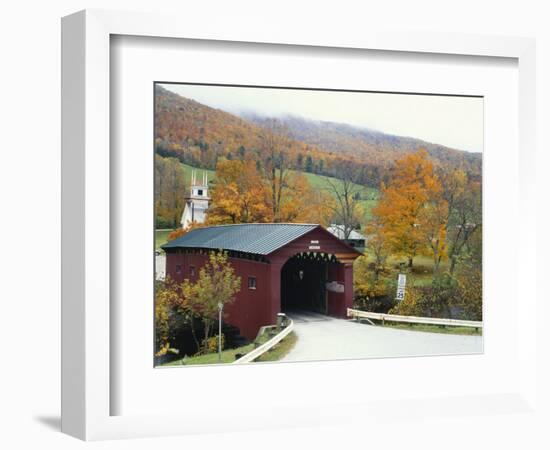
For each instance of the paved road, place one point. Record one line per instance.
(322, 337)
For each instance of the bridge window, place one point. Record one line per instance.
(178, 268)
(251, 282)
(192, 271)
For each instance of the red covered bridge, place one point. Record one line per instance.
(283, 267)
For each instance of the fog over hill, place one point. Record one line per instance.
(352, 140)
(198, 135)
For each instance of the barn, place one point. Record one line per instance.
(283, 268)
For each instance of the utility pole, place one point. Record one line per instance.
(220, 309)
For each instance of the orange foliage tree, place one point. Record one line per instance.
(181, 231)
(242, 195)
(411, 209)
(239, 194)
(303, 204)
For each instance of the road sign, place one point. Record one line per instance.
(401, 283)
(334, 286)
(402, 280)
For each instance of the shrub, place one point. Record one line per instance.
(374, 287)
(447, 297)
(211, 344)
(430, 301)
(163, 222)
(470, 300)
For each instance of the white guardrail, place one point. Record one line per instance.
(355, 313)
(257, 352)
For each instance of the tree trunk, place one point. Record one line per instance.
(437, 259)
(273, 188)
(194, 333)
(453, 264)
(410, 262)
(436, 267)
(207, 325)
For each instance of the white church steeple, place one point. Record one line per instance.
(196, 203)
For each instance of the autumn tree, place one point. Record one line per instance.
(165, 299)
(184, 230)
(301, 203)
(400, 211)
(242, 195)
(172, 313)
(216, 283)
(239, 194)
(379, 244)
(433, 220)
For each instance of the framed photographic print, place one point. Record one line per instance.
(278, 208)
(252, 215)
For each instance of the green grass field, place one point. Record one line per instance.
(426, 328)
(161, 237)
(228, 356)
(187, 174)
(280, 350)
(421, 273)
(368, 196)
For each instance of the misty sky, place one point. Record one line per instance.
(456, 122)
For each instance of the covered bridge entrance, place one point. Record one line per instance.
(304, 280)
(283, 267)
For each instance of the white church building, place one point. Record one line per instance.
(196, 203)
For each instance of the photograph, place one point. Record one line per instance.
(306, 224)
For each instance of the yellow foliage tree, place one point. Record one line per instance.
(216, 284)
(379, 244)
(170, 305)
(433, 226)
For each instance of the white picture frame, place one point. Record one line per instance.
(86, 246)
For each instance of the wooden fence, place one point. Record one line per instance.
(257, 352)
(355, 313)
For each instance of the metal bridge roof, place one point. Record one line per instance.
(257, 238)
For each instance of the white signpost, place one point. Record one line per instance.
(401, 282)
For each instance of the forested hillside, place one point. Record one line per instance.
(368, 145)
(198, 135)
